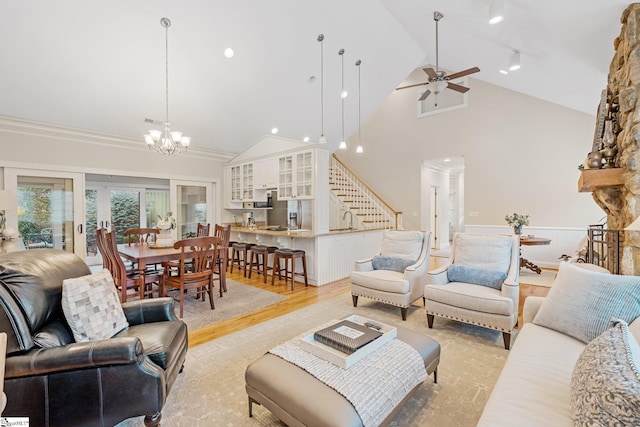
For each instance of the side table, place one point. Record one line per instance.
(531, 241)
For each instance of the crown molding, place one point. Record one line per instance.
(45, 130)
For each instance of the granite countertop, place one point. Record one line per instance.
(293, 233)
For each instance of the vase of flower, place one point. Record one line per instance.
(165, 225)
(517, 221)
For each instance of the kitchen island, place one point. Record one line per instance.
(330, 256)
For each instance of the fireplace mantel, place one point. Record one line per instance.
(591, 179)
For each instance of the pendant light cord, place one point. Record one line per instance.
(166, 24)
(358, 62)
(341, 53)
(321, 39)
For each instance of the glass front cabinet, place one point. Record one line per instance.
(295, 176)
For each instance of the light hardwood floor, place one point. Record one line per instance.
(299, 298)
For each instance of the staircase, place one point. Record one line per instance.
(372, 212)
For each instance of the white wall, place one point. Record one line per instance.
(27, 143)
(520, 153)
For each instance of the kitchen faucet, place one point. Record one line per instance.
(350, 218)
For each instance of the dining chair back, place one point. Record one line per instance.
(101, 242)
(203, 230)
(141, 235)
(129, 280)
(222, 260)
(196, 268)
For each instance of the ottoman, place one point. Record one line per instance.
(299, 399)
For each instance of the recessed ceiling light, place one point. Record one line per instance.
(447, 160)
(306, 139)
(514, 61)
(344, 94)
(274, 130)
(505, 72)
(228, 52)
(496, 11)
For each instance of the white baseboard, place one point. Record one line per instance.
(563, 241)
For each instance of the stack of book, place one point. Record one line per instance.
(347, 336)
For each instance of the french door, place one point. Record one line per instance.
(50, 209)
(118, 209)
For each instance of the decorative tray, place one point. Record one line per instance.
(344, 360)
(156, 246)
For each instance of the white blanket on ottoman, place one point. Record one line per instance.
(374, 386)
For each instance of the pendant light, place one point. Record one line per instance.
(343, 143)
(322, 139)
(359, 149)
(167, 141)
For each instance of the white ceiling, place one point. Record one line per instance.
(100, 65)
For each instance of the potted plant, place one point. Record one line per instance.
(517, 221)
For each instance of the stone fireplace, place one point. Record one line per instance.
(616, 187)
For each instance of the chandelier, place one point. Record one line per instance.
(167, 141)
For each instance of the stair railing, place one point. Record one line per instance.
(370, 208)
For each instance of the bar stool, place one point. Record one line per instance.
(229, 258)
(259, 259)
(289, 256)
(240, 248)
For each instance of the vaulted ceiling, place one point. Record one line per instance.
(100, 66)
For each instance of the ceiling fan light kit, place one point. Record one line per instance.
(438, 78)
(496, 11)
(167, 141)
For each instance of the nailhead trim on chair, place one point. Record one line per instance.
(469, 322)
(381, 300)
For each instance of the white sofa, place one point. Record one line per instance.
(534, 387)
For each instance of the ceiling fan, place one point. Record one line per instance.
(439, 79)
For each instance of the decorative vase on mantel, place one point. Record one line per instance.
(517, 229)
(164, 239)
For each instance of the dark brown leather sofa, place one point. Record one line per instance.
(57, 382)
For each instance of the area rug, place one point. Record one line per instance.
(545, 278)
(238, 300)
(210, 390)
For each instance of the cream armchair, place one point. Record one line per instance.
(479, 284)
(397, 275)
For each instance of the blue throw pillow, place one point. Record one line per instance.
(477, 276)
(392, 263)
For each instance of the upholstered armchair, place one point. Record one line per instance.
(56, 381)
(397, 274)
(479, 284)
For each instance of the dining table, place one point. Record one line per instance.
(144, 254)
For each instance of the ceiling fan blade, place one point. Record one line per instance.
(457, 88)
(463, 73)
(418, 84)
(424, 95)
(430, 72)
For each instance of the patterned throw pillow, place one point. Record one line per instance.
(92, 307)
(392, 263)
(477, 276)
(581, 303)
(605, 385)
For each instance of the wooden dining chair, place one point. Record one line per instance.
(222, 260)
(203, 230)
(130, 280)
(199, 274)
(101, 242)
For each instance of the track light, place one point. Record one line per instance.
(514, 61)
(496, 11)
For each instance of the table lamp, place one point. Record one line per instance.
(7, 203)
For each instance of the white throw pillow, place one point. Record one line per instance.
(486, 252)
(402, 244)
(92, 307)
(581, 303)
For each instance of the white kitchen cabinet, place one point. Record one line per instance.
(295, 176)
(247, 182)
(236, 183)
(265, 173)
